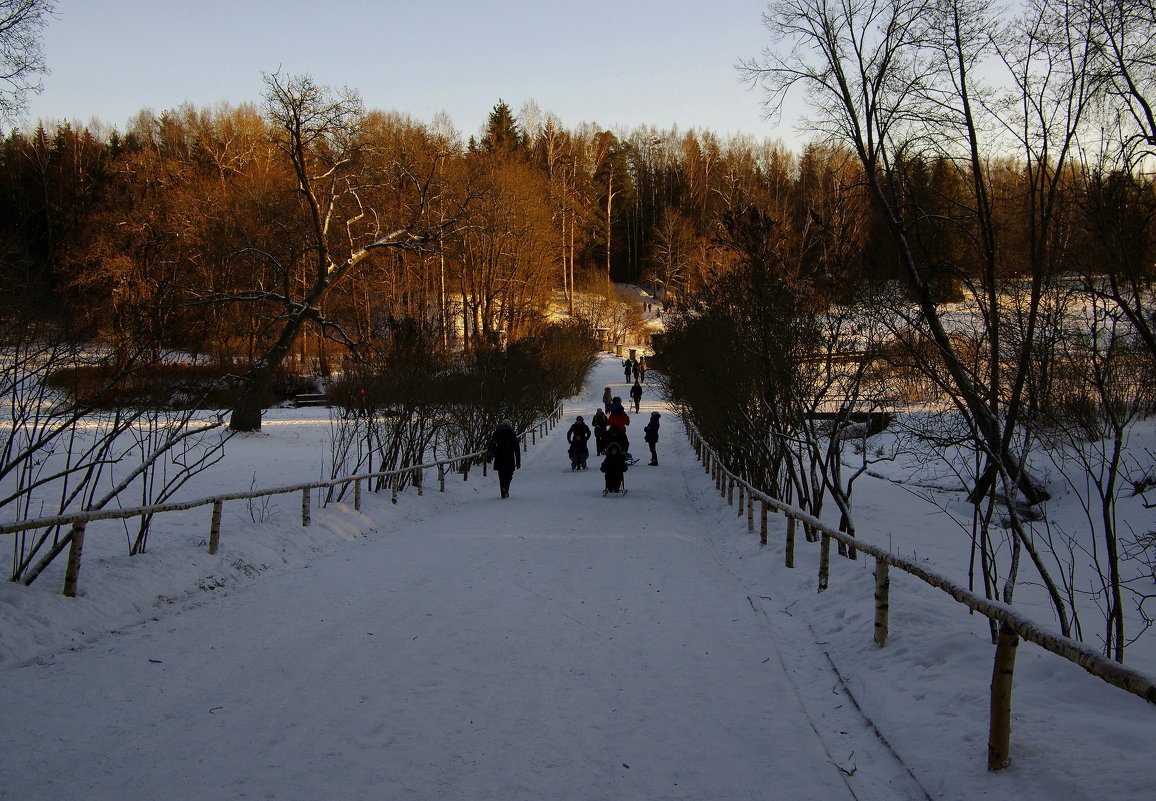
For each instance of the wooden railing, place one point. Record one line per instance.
(74, 539)
(1013, 625)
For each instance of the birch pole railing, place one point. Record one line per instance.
(78, 521)
(1012, 625)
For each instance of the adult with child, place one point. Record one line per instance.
(578, 435)
(616, 425)
(636, 395)
(505, 451)
(651, 437)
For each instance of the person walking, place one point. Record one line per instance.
(651, 437)
(607, 399)
(642, 369)
(628, 368)
(506, 453)
(599, 423)
(636, 395)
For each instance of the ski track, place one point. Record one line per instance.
(478, 653)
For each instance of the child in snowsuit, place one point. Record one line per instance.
(614, 465)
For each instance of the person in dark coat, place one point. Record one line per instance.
(628, 368)
(599, 423)
(616, 425)
(607, 399)
(578, 436)
(636, 395)
(651, 437)
(506, 453)
(614, 466)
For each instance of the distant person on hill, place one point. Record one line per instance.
(642, 369)
(651, 437)
(636, 395)
(506, 453)
(607, 399)
(633, 371)
(628, 368)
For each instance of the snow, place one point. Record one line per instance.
(555, 645)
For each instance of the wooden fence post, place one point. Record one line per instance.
(441, 478)
(72, 570)
(1003, 669)
(882, 593)
(789, 555)
(763, 525)
(215, 528)
(357, 494)
(730, 491)
(741, 491)
(824, 562)
(419, 480)
(305, 518)
(750, 513)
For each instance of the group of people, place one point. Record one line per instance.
(635, 369)
(610, 440)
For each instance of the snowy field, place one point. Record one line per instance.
(555, 645)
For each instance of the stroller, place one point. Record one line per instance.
(579, 453)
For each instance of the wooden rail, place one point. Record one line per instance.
(1013, 625)
(78, 521)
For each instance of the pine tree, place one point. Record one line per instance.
(502, 135)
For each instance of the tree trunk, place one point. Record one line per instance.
(999, 736)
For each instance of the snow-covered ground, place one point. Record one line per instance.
(555, 645)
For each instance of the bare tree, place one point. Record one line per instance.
(21, 55)
(345, 219)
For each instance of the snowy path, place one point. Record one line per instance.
(555, 645)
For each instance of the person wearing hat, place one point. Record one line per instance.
(651, 437)
(607, 399)
(578, 436)
(506, 453)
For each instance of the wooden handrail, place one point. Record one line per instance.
(1012, 623)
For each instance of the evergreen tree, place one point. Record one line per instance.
(502, 135)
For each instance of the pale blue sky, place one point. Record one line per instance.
(618, 64)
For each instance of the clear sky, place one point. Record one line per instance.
(617, 63)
